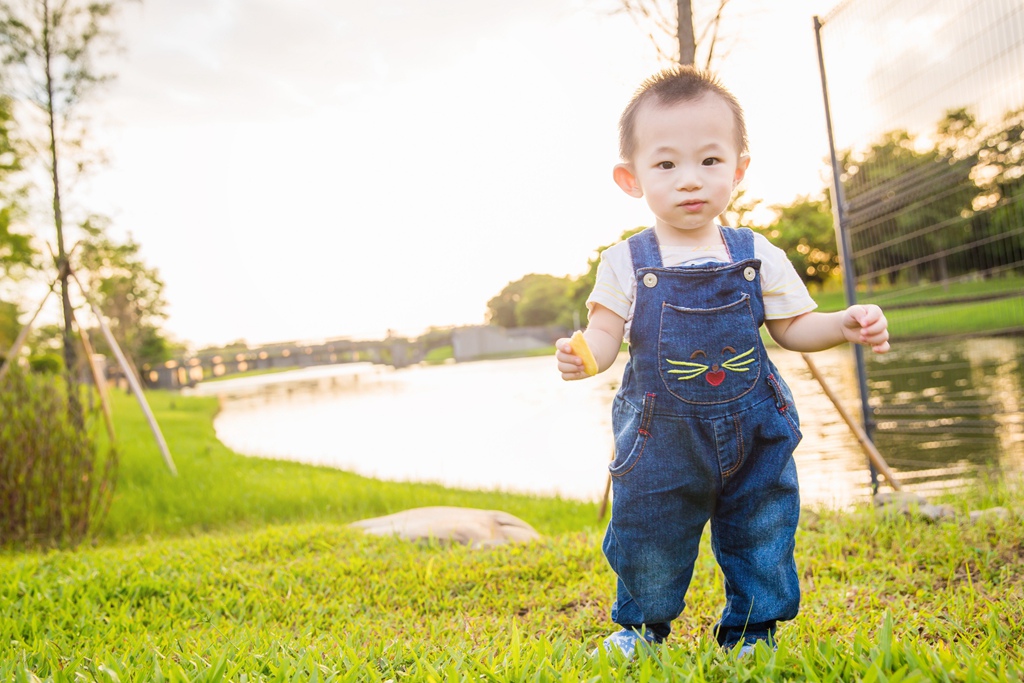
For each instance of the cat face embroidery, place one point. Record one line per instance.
(715, 373)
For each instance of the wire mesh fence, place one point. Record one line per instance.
(927, 112)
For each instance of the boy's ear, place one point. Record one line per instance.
(626, 179)
(741, 169)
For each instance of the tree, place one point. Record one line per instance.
(675, 21)
(15, 249)
(9, 314)
(995, 224)
(534, 299)
(501, 310)
(804, 230)
(584, 284)
(908, 205)
(739, 213)
(49, 48)
(544, 301)
(999, 160)
(16, 252)
(127, 292)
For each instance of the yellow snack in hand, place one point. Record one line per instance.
(580, 348)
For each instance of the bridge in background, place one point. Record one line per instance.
(472, 342)
(188, 370)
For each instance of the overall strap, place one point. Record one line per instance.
(739, 242)
(644, 250)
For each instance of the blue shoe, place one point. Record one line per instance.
(747, 648)
(624, 642)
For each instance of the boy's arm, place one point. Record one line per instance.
(819, 331)
(604, 337)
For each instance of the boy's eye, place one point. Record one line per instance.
(711, 161)
(666, 165)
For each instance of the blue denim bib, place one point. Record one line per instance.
(695, 333)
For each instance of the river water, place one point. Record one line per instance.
(514, 425)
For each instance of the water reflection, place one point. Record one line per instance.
(510, 425)
(943, 407)
(514, 425)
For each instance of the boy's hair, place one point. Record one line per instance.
(672, 85)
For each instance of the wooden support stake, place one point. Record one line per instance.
(865, 443)
(601, 511)
(100, 382)
(12, 354)
(132, 381)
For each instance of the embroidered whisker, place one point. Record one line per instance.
(742, 355)
(687, 374)
(687, 364)
(738, 363)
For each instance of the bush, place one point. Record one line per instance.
(439, 355)
(56, 480)
(47, 363)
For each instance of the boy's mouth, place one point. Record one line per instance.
(692, 205)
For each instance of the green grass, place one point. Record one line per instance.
(967, 318)
(914, 313)
(243, 570)
(834, 298)
(440, 354)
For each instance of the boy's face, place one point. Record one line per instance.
(687, 163)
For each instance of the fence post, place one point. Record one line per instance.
(845, 252)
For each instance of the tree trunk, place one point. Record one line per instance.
(687, 42)
(63, 266)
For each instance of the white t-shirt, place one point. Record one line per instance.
(783, 292)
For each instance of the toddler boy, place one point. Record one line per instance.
(704, 425)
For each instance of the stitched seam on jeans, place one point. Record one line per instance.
(648, 414)
(792, 427)
(645, 422)
(635, 460)
(739, 448)
(783, 409)
(780, 402)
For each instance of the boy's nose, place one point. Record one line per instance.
(688, 179)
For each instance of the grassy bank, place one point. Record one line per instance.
(242, 569)
(218, 490)
(930, 311)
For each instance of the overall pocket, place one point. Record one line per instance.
(632, 432)
(708, 356)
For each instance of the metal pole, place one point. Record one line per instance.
(874, 456)
(845, 252)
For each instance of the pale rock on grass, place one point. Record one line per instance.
(468, 526)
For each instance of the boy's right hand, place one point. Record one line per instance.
(569, 364)
(602, 340)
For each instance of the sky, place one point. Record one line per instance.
(314, 169)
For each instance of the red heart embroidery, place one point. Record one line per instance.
(715, 378)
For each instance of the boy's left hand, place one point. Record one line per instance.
(866, 324)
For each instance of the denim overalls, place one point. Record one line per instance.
(704, 429)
